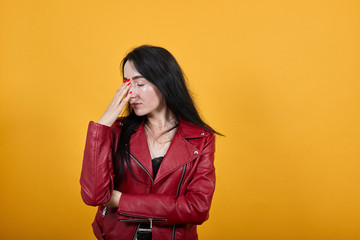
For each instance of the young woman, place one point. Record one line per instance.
(151, 173)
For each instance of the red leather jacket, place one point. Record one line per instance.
(175, 201)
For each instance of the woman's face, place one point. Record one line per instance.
(145, 96)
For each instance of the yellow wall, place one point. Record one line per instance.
(280, 79)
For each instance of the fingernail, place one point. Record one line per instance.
(128, 80)
(130, 92)
(129, 83)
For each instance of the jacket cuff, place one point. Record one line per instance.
(126, 209)
(98, 131)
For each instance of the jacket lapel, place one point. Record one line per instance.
(180, 151)
(140, 150)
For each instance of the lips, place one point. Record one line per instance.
(135, 104)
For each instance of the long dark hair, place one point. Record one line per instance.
(158, 66)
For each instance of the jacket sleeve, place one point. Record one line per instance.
(96, 175)
(192, 207)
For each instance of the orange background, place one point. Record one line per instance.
(281, 79)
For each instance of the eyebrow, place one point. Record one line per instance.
(135, 77)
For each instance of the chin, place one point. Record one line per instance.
(140, 113)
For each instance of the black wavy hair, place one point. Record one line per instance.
(158, 66)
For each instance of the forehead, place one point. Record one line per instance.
(130, 70)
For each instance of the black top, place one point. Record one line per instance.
(156, 164)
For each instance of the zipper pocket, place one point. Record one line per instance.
(181, 179)
(140, 217)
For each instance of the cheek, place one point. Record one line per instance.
(151, 94)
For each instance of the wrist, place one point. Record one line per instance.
(102, 122)
(114, 201)
(117, 199)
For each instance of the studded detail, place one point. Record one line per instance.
(196, 152)
(202, 133)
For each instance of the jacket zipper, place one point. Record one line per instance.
(137, 161)
(104, 212)
(177, 194)
(152, 182)
(137, 228)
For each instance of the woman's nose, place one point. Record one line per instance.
(132, 91)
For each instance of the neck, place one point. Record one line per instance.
(162, 120)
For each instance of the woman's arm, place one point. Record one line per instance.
(96, 175)
(97, 171)
(192, 207)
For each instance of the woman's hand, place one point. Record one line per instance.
(114, 201)
(116, 105)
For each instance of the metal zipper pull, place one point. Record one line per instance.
(104, 212)
(151, 220)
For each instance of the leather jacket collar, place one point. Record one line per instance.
(179, 153)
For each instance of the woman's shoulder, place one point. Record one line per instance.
(117, 125)
(192, 129)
